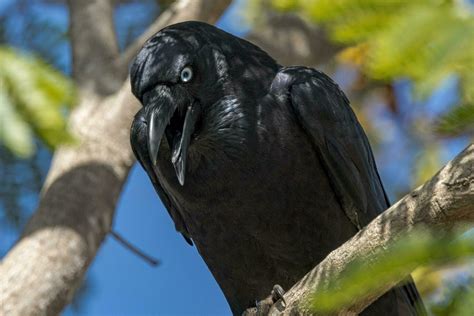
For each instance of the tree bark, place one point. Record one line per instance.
(91, 22)
(445, 201)
(39, 274)
(299, 42)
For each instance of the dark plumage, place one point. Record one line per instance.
(265, 168)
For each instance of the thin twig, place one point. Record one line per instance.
(149, 259)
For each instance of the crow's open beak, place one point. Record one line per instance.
(165, 117)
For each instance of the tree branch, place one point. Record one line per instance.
(39, 274)
(442, 203)
(94, 45)
(125, 243)
(299, 42)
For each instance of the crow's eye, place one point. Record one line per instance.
(186, 74)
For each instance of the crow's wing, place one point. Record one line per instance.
(324, 113)
(138, 141)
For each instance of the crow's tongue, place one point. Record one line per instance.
(180, 141)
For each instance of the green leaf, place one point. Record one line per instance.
(459, 120)
(361, 278)
(39, 96)
(15, 134)
(465, 304)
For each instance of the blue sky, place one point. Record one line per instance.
(122, 284)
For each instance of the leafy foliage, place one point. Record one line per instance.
(421, 248)
(459, 300)
(458, 120)
(424, 40)
(33, 101)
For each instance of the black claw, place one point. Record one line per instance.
(277, 294)
(263, 307)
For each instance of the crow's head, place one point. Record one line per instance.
(196, 84)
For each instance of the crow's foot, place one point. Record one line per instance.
(263, 307)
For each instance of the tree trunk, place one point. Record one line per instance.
(77, 203)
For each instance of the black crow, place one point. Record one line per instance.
(264, 168)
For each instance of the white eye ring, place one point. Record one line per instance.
(186, 74)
